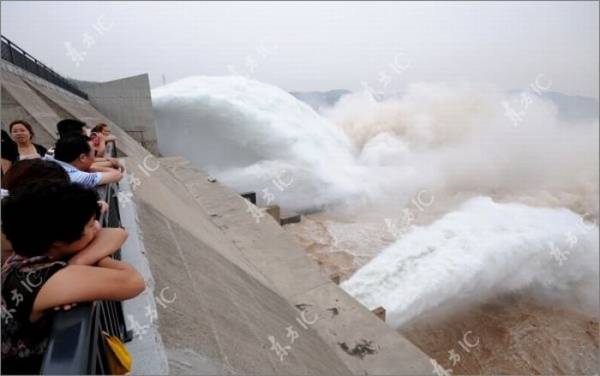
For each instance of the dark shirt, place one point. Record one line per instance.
(9, 150)
(38, 148)
(12, 151)
(24, 342)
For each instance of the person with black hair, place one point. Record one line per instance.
(67, 127)
(56, 264)
(22, 173)
(76, 156)
(29, 171)
(33, 170)
(22, 134)
(72, 127)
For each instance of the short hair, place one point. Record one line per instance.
(28, 171)
(69, 126)
(99, 128)
(25, 124)
(29, 217)
(69, 148)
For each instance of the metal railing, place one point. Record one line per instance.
(19, 57)
(76, 344)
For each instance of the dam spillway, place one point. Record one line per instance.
(238, 286)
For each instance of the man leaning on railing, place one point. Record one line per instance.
(75, 155)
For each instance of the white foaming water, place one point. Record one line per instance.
(439, 138)
(480, 250)
(450, 141)
(248, 134)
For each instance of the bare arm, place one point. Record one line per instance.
(100, 163)
(110, 176)
(115, 280)
(106, 242)
(107, 163)
(111, 263)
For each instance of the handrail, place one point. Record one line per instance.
(19, 57)
(78, 326)
(76, 345)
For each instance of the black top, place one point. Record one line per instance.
(13, 155)
(9, 148)
(24, 342)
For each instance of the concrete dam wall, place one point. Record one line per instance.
(246, 299)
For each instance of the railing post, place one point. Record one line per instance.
(10, 49)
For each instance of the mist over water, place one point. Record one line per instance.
(523, 186)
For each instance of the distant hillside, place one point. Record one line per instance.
(320, 99)
(572, 107)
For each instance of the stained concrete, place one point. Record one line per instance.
(298, 279)
(15, 92)
(237, 281)
(127, 102)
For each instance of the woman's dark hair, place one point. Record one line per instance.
(25, 124)
(69, 126)
(71, 147)
(28, 171)
(39, 214)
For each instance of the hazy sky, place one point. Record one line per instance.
(317, 46)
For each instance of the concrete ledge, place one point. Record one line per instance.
(273, 211)
(149, 357)
(288, 218)
(342, 322)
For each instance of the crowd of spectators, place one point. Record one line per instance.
(54, 252)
